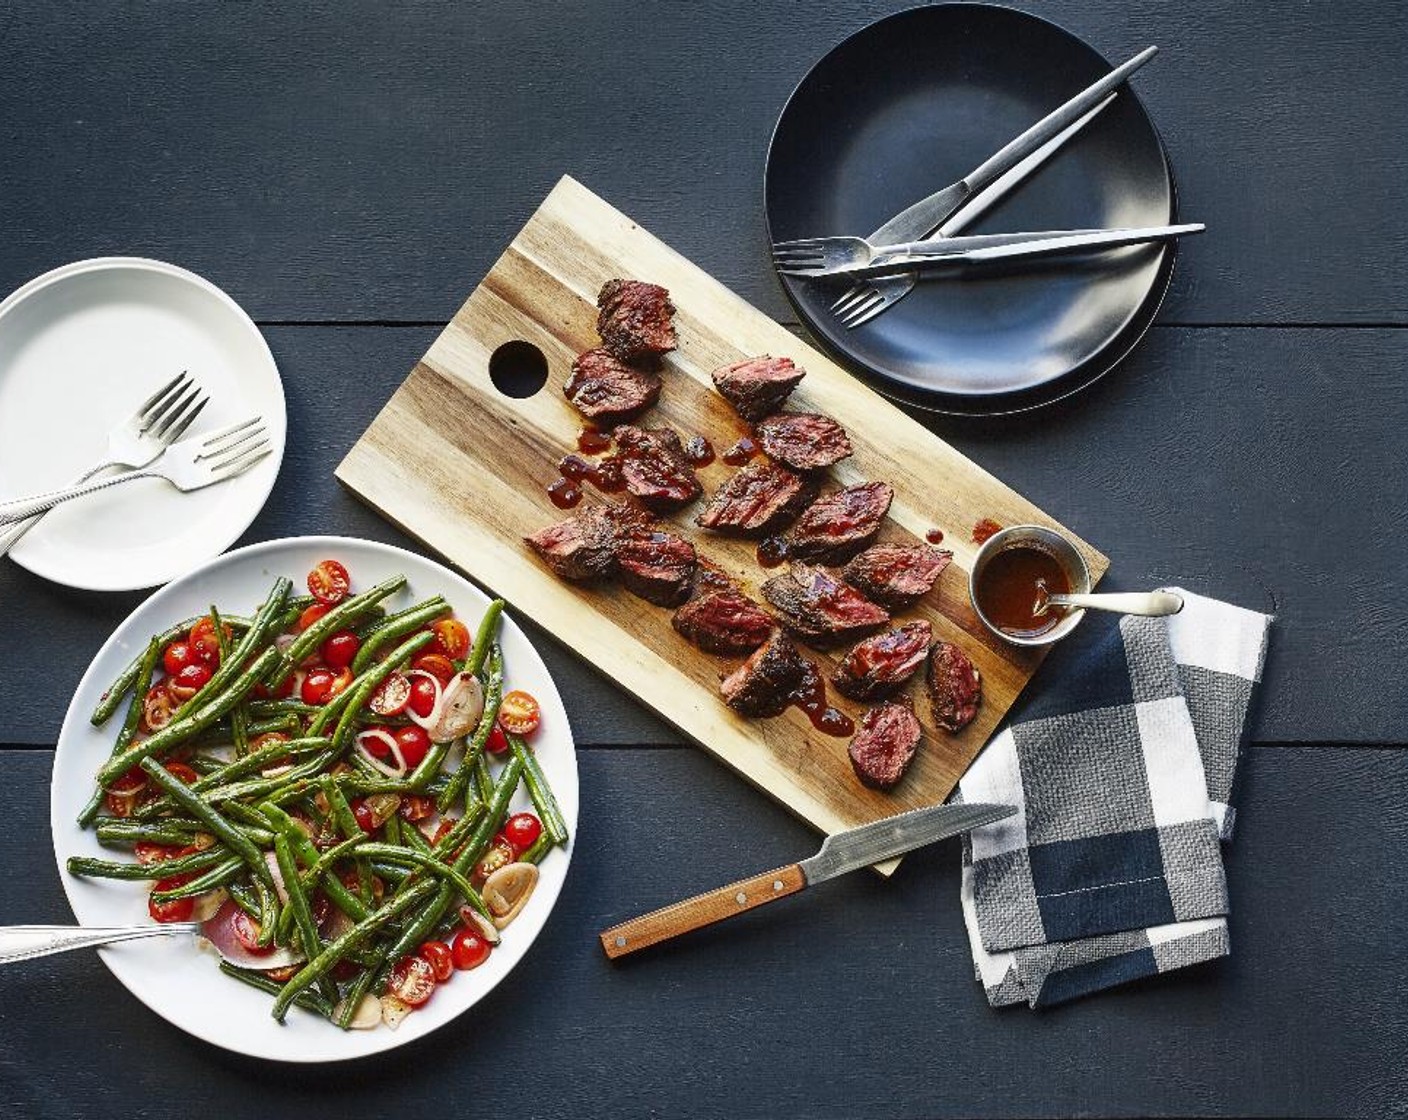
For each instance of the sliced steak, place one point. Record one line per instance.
(885, 744)
(839, 525)
(881, 663)
(654, 468)
(954, 688)
(719, 618)
(635, 319)
(583, 547)
(758, 386)
(657, 566)
(804, 441)
(763, 685)
(896, 575)
(818, 607)
(759, 498)
(607, 390)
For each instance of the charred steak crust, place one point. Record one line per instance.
(837, 526)
(955, 690)
(655, 565)
(635, 319)
(763, 685)
(804, 441)
(814, 604)
(719, 618)
(604, 388)
(756, 500)
(583, 547)
(897, 575)
(885, 744)
(654, 468)
(878, 665)
(758, 386)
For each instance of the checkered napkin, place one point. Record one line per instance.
(1121, 768)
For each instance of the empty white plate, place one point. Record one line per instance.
(81, 348)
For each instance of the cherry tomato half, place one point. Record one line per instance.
(181, 771)
(500, 854)
(178, 909)
(470, 949)
(440, 958)
(374, 745)
(366, 821)
(157, 708)
(310, 615)
(329, 582)
(522, 831)
(451, 638)
(268, 739)
(189, 681)
(519, 713)
(340, 649)
(247, 932)
(412, 980)
(391, 696)
(414, 807)
(320, 685)
(148, 853)
(497, 742)
(204, 643)
(176, 657)
(437, 665)
(414, 744)
(422, 700)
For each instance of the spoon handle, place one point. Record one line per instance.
(24, 943)
(1154, 604)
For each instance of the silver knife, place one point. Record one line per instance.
(845, 851)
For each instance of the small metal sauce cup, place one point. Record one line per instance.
(1053, 544)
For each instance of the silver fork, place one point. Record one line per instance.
(159, 421)
(191, 464)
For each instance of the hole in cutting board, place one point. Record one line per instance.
(518, 369)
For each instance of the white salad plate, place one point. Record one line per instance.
(81, 348)
(176, 978)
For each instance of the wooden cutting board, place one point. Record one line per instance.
(465, 468)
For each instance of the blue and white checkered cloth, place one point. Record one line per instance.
(1122, 769)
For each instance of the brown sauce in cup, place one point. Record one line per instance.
(1013, 585)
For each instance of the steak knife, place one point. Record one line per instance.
(843, 852)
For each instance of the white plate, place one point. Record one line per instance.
(183, 984)
(80, 348)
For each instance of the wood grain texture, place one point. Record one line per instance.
(425, 459)
(702, 910)
(860, 989)
(267, 146)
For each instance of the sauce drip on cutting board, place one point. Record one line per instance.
(934, 536)
(772, 551)
(592, 442)
(810, 697)
(1013, 584)
(563, 493)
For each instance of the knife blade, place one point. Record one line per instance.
(838, 854)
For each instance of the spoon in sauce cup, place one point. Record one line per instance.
(1152, 604)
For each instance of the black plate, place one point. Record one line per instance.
(914, 102)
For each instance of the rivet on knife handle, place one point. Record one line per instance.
(701, 910)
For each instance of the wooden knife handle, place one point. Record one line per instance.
(701, 910)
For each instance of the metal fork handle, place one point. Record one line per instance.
(1023, 245)
(21, 508)
(11, 533)
(25, 943)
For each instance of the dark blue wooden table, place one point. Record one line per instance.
(348, 173)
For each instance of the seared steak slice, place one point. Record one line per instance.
(954, 688)
(763, 685)
(657, 566)
(896, 575)
(886, 744)
(758, 386)
(804, 441)
(818, 607)
(654, 468)
(719, 618)
(583, 547)
(757, 499)
(607, 390)
(634, 319)
(881, 663)
(839, 525)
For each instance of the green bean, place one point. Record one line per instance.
(483, 780)
(143, 682)
(110, 699)
(250, 788)
(303, 848)
(493, 698)
(346, 822)
(354, 938)
(219, 786)
(540, 791)
(393, 873)
(287, 724)
(114, 833)
(262, 709)
(260, 633)
(259, 760)
(396, 626)
(423, 860)
(336, 619)
(538, 849)
(179, 730)
(392, 828)
(324, 862)
(244, 898)
(483, 636)
(162, 869)
(268, 911)
(309, 1001)
(362, 688)
(459, 830)
(302, 911)
(239, 718)
(217, 876)
(330, 711)
(223, 830)
(353, 998)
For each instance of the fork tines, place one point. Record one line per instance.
(232, 449)
(172, 409)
